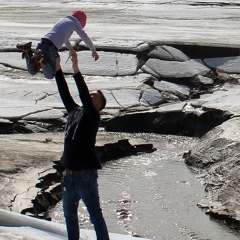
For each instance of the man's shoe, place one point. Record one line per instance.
(24, 46)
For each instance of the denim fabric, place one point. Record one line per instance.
(85, 188)
(32, 68)
(50, 53)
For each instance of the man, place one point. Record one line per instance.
(79, 157)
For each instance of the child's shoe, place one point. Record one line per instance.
(38, 59)
(26, 48)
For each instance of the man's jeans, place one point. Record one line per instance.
(50, 53)
(75, 188)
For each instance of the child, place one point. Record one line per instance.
(47, 50)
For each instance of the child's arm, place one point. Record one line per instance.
(82, 34)
(95, 55)
(73, 53)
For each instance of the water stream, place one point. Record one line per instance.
(154, 195)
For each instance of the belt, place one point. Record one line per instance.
(80, 172)
(48, 42)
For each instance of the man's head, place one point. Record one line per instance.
(81, 17)
(99, 100)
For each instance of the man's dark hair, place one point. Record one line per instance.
(103, 100)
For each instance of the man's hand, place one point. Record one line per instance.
(58, 65)
(72, 53)
(95, 55)
(74, 60)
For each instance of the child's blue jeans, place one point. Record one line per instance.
(50, 53)
(75, 188)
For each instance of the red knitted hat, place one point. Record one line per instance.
(80, 16)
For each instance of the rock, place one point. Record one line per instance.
(170, 97)
(202, 80)
(162, 121)
(224, 98)
(117, 64)
(2, 67)
(176, 54)
(111, 100)
(181, 91)
(148, 70)
(224, 64)
(171, 107)
(160, 53)
(45, 115)
(19, 110)
(168, 53)
(126, 98)
(216, 157)
(34, 128)
(151, 97)
(173, 69)
(117, 45)
(120, 82)
(5, 121)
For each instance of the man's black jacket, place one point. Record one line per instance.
(81, 128)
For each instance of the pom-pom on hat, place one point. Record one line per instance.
(80, 16)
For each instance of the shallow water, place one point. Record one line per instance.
(154, 195)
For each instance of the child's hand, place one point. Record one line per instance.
(95, 55)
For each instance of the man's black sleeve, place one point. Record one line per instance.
(83, 90)
(64, 92)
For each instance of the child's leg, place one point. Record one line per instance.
(50, 54)
(32, 67)
(27, 54)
